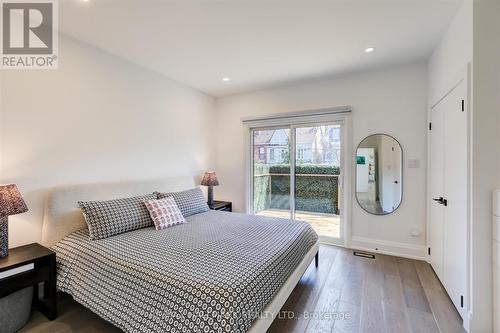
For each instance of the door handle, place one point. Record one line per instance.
(441, 201)
(396, 182)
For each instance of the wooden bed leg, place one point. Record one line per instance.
(316, 259)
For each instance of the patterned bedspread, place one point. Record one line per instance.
(215, 273)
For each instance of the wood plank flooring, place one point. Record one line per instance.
(344, 294)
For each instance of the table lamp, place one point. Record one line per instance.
(11, 203)
(210, 180)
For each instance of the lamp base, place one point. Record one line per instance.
(210, 196)
(4, 237)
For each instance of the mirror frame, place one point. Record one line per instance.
(356, 174)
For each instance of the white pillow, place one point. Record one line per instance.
(164, 213)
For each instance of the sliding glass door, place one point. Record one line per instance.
(271, 172)
(296, 173)
(316, 172)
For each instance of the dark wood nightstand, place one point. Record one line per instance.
(29, 265)
(226, 206)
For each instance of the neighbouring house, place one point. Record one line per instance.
(315, 145)
(271, 146)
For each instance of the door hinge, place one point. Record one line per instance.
(462, 301)
(430, 126)
(463, 105)
(429, 251)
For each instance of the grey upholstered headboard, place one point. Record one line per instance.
(62, 215)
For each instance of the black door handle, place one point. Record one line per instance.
(396, 182)
(441, 201)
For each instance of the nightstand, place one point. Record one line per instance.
(225, 206)
(29, 265)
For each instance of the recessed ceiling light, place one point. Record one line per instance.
(226, 79)
(369, 49)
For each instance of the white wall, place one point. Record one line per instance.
(391, 101)
(96, 118)
(451, 56)
(485, 144)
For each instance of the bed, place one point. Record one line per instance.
(219, 272)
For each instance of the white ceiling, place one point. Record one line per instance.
(258, 43)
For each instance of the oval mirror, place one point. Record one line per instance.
(379, 174)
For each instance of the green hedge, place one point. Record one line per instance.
(313, 193)
(311, 169)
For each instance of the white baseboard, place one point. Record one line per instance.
(404, 250)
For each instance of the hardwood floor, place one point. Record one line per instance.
(344, 294)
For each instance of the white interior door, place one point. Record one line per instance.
(436, 174)
(455, 185)
(396, 162)
(448, 189)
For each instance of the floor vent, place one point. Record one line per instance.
(364, 255)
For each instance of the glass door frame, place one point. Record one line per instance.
(344, 120)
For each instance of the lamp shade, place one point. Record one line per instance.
(11, 201)
(209, 179)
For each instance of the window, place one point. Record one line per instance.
(300, 153)
(271, 154)
(262, 154)
(283, 154)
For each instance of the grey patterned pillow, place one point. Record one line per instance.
(113, 217)
(190, 202)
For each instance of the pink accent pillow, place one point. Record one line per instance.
(164, 213)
